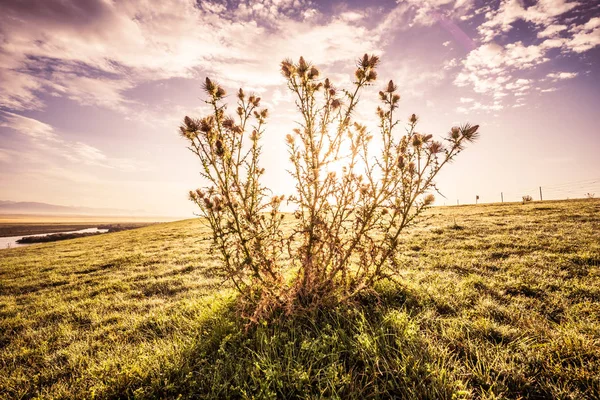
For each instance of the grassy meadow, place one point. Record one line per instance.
(495, 301)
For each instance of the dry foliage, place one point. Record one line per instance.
(348, 224)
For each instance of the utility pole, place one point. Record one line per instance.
(457, 202)
(541, 198)
(502, 196)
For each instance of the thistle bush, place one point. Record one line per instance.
(352, 199)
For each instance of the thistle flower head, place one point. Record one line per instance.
(368, 61)
(209, 87)
(287, 68)
(241, 94)
(435, 147)
(313, 73)
(364, 61)
(428, 200)
(228, 123)
(417, 140)
(219, 149)
(395, 99)
(206, 124)
(413, 119)
(454, 133)
(371, 76)
(401, 163)
(336, 103)
(391, 88)
(470, 133)
(359, 74)
(302, 66)
(189, 129)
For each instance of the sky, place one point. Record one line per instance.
(92, 91)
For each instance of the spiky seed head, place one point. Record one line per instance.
(220, 92)
(360, 74)
(428, 200)
(371, 76)
(206, 124)
(228, 123)
(417, 140)
(241, 94)
(395, 98)
(209, 86)
(313, 73)
(413, 119)
(382, 95)
(287, 68)
(302, 67)
(401, 163)
(391, 88)
(435, 147)
(455, 133)
(364, 62)
(470, 132)
(336, 103)
(219, 149)
(373, 61)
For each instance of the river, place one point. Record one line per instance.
(11, 241)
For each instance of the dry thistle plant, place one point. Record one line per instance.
(348, 225)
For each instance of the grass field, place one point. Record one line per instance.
(495, 301)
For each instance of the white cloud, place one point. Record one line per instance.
(488, 68)
(562, 75)
(551, 31)
(44, 141)
(126, 43)
(542, 13)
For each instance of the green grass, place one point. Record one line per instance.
(495, 301)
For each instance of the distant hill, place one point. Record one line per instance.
(28, 207)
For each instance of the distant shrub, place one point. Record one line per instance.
(527, 198)
(348, 223)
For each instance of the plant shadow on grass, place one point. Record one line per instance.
(371, 349)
